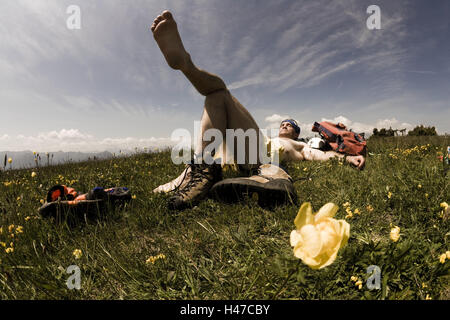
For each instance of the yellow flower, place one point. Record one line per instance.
(424, 285)
(419, 186)
(9, 250)
(153, 259)
(3, 244)
(133, 197)
(442, 258)
(447, 253)
(347, 204)
(41, 201)
(77, 253)
(428, 297)
(389, 195)
(357, 211)
(444, 205)
(349, 213)
(19, 229)
(33, 174)
(318, 238)
(27, 218)
(395, 234)
(369, 208)
(11, 228)
(354, 279)
(1, 230)
(10, 160)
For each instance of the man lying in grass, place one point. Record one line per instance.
(223, 111)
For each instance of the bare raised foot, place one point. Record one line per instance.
(166, 34)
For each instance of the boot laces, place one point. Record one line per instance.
(197, 174)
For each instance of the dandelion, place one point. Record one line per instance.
(442, 258)
(77, 253)
(395, 233)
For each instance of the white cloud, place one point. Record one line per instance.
(75, 140)
(368, 128)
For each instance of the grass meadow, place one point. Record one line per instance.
(239, 251)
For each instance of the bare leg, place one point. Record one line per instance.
(221, 111)
(166, 34)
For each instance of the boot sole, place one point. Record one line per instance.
(273, 193)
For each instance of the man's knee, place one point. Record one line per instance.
(217, 97)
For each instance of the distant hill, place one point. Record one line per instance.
(26, 159)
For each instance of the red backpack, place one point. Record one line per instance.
(341, 139)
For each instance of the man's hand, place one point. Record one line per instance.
(357, 161)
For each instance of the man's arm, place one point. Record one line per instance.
(319, 155)
(297, 151)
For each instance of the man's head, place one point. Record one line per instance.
(289, 129)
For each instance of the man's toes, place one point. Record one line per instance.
(167, 14)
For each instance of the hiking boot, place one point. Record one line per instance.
(195, 186)
(272, 185)
(175, 184)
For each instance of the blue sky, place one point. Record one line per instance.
(107, 86)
